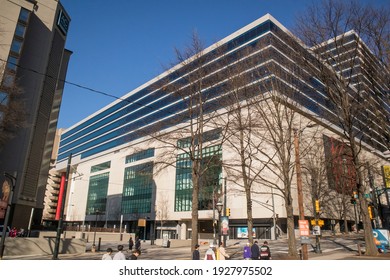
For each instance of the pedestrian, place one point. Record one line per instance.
(255, 251)
(119, 255)
(137, 243)
(131, 243)
(195, 253)
(222, 252)
(135, 254)
(210, 254)
(107, 256)
(265, 251)
(247, 251)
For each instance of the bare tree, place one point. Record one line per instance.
(162, 211)
(338, 63)
(12, 109)
(191, 143)
(279, 118)
(239, 122)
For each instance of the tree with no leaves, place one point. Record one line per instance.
(190, 132)
(12, 109)
(352, 78)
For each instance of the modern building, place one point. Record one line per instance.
(117, 153)
(34, 59)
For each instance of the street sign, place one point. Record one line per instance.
(304, 229)
(316, 230)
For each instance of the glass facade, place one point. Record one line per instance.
(100, 167)
(210, 180)
(97, 193)
(151, 108)
(138, 188)
(140, 155)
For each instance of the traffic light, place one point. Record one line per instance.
(353, 201)
(317, 203)
(228, 212)
(370, 212)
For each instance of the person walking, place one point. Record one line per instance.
(247, 251)
(265, 251)
(255, 251)
(119, 255)
(210, 254)
(135, 254)
(107, 256)
(131, 243)
(195, 253)
(137, 243)
(222, 252)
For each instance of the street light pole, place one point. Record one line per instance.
(219, 208)
(94, 234)
(61, 217)
(299, 188)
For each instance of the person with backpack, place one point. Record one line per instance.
(265, 251)
(255, 252)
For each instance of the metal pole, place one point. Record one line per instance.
(60, 221)
(224, 206)
(214, 230)
(299, 187)
(7, 214)
(274, 214)
(94, 234)
(374, 197)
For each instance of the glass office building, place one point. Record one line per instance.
(118, 134)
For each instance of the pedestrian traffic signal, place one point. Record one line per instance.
(228, 212)
(317, 206)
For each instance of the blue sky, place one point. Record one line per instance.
(121, 44)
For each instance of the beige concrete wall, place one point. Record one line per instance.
(42, 246)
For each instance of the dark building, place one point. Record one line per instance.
(32, 36)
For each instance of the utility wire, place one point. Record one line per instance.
(83, 87)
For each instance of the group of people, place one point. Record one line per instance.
(256, 252)
(212, 253)
(14, 232)
(120, 255)
(251, 252)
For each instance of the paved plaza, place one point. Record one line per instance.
(341, 247)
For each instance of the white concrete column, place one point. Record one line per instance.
(183, 231)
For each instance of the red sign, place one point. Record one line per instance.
(304, 229)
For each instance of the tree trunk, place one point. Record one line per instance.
(292, 244)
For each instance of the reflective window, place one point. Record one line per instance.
(3, 98)
(100, 167)
(97, 193)
(140, 155)
(138, 189)
(24, 15)
(211, 179)
(20, 30)
(12, 63)
(16, 46)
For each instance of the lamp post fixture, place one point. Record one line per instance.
(219, 209)
(94, 234)
(299, 188)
